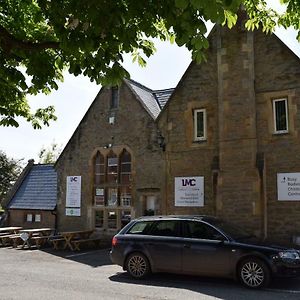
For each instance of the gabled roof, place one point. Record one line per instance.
(37, 190)
(153, 101)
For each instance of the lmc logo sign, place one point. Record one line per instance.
(189, 191)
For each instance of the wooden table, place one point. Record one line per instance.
(70, 236)
(40, 235)
(7, 232)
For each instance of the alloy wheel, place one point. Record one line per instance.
(137, 266)
(252, 274)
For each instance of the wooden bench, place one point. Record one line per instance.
(56, 240)
(5, 239)
(77, 243)
(40, 240)
(15, 240)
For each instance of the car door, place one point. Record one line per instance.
(205, 250)
(164, 246)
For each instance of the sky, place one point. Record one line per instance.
(74, 96)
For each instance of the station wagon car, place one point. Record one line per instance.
(200, 245)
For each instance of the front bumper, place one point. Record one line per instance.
(286, 269)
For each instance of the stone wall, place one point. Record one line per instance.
(241, 157)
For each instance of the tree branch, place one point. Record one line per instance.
(8, 42)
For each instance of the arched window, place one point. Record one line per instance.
(112, 168)
(99, 179)
(125, 178)
(125, 165)
(99, 169)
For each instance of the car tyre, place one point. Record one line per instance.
(137, 265)
(254, 273)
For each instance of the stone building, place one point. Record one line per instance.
(114, 161)
(233, 124)
(226, 144)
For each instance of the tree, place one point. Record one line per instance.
(49, 155)
(10, 169)
(40, 38)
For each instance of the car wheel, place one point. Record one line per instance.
(254, 273)
(137, 265)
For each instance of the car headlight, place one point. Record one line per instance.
(292, 255)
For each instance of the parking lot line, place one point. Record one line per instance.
(283, 291)
(80, 254)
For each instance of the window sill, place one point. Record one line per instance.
(281, 133)
(199, 141)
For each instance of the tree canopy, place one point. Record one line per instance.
(9, 171)
(50, 154)
(41, 38)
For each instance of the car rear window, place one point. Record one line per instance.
(140, 228)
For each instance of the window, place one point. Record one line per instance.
(29, 218)
(112, 189)
(125, 217)
(114, 103)
(125, 162)
(280, 113)
(37, 218)
(140, 228)
(112, 168)
(99, 169)
(199, 124)
(99, 198)
(112, 219)
(198, 230)
(99, 218)
(112, 199)
(125, 196)
(165, 228)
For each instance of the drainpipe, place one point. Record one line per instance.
(260, 164)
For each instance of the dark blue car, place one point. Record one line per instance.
(200, 245)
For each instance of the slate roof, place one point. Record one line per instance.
(37, 190)
(153, 101)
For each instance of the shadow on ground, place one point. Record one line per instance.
(94, 257)
(218, 288)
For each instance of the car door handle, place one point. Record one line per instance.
(187, 246)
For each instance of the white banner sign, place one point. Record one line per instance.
(288, 186)
(73, 196)
(189, 191)
(75, 212)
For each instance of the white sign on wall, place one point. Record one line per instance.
(73, 196)
(288, 186)
(189, 191)
(75, 212)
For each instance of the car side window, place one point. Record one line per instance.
(140, 228)
(165, 228)
(199, 230)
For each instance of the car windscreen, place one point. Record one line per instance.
(231, 230)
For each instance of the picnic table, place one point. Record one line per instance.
(12, 229)
(7, 232)
(37, 235)
(73, 239)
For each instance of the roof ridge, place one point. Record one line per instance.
(140, 85)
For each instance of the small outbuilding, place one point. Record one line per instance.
(31, 203)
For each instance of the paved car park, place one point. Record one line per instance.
(48, 274)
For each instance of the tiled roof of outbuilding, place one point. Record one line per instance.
(38, 189)
(153, 101)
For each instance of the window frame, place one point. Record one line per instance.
(274, 101)
(195, 116)
(114, 100)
